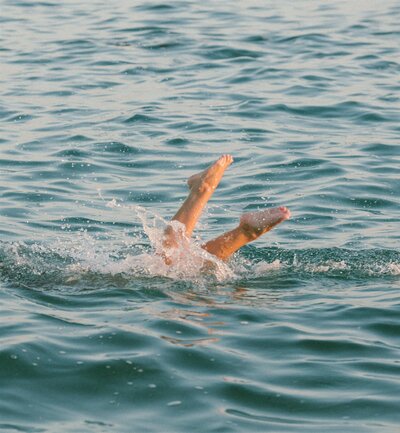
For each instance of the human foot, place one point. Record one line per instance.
(209, 179)
(254, 224)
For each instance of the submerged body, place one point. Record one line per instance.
(251, 226)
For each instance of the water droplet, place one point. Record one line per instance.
(174, 403)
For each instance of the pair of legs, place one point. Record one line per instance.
(251, 226)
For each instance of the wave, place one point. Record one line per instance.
(85, 256)
(330, 262)
(92, 262)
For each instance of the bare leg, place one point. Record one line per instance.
(202, 186)
(252, 225)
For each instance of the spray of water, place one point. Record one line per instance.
(74, 256)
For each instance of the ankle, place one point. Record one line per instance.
(202, 187)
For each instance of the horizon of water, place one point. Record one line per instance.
(106, 109)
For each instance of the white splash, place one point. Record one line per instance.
(188, 260)
(72, 255)
(262, 268)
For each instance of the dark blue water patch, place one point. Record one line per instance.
(300, 90)
(144, 197)
(302, 169)
(302, 162)
(331, 54)
(255, 39)
(340, 347)
(21, 118)
(217, 52)
(304, 38)
(389, 33)
(145, 70)
(208, 65)
(97, 85)
(257, 135)
(390, 170)
(106, 164)
(381, 149)
(22, 163)
(146, 30)
(163, 7)
(389, 328)
(380, 187)
(21, 427)
(317, 214)
(358, 26)
(76, 138)
(26, 59)
(18, 213)
(177, 142)
(276, 422)
(190, 126)
(36, 4)
(75, 168)
(60, 93)
(83, 223)
(384, 65)
(344, 110)
(162, 45)
(30, 197)
(109, 63)
(256, 398)
(30, 146)
(371, 203)
(5, 113)
(122, 43)
(302, 144)
(389, 98)
(72, 153)
(117, 148)
(66, 110)
(375, 117)
(245, 102)
(367, 57)
(142, 118)
(79, 43)
(322, 80)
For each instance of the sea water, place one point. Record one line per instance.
(106, 109)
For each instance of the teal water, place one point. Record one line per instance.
(106, 108)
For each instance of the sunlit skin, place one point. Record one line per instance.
(251, 226)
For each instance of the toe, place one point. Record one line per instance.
(285, 211)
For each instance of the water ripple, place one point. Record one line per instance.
(109, 106)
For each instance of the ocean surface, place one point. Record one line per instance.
(106, 108)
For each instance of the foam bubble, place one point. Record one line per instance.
(265, 267)
(74, 254)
